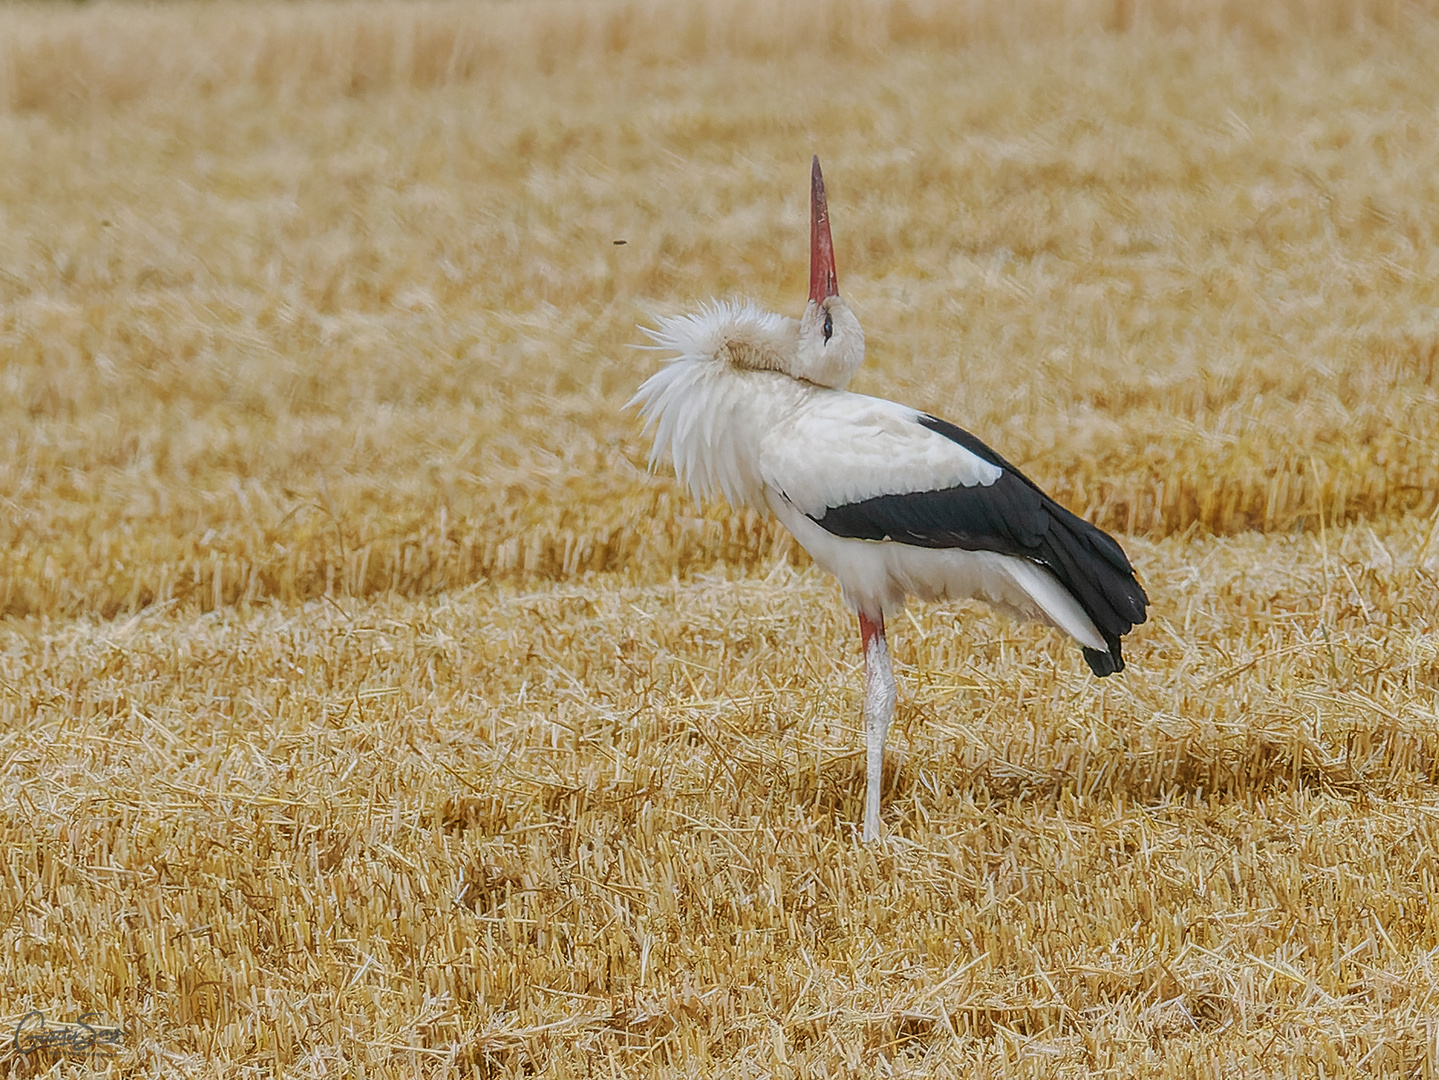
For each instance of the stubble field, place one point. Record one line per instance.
(366, 709)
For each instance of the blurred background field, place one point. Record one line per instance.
(366, 708)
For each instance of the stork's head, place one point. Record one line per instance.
(831, 343)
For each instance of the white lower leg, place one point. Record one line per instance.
(879, 695)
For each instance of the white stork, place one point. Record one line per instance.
(890, 500)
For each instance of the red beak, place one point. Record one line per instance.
(823, 282)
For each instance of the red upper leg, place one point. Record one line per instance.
(869, 629)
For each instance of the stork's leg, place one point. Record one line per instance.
(878, 708)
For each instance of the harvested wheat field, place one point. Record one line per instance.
(367, 710)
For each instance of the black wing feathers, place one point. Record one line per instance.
(1005, 517)
(1012, 516)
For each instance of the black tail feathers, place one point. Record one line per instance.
(1093, 567)
(1104, 663)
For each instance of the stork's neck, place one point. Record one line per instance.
(710, 418)
(711, 404)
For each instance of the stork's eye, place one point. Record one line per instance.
(828, 326)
